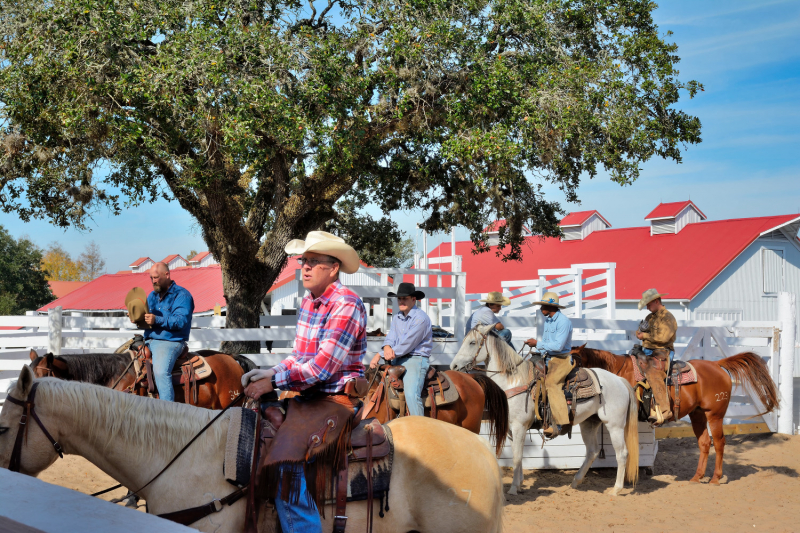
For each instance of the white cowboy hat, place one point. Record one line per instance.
(496, 298)
(551, 299)
(322, 242)
(648, 296)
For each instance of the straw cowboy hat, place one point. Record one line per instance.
(407, 289)
(551, 299)
(496, 298)
(136, 302)
(322, 242)
(648, 296)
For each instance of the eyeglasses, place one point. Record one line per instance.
(313, 262)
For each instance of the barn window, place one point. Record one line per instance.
(772, 270)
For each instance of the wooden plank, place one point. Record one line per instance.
(681, 432)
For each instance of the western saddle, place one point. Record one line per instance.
(190, 368)
(437, 390)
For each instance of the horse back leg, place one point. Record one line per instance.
(589, 433)
(700, 427)
(518, 434)
(719, 447)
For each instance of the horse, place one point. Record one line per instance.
(706, 401)
(476, 393)
(114, 370)
(615, 407)
(444, 478)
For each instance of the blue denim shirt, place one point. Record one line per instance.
(410, 334)
(482, 317)
(173, 314)
(557, 336)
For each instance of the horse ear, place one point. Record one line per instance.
(583, 346)
(24, 383)
(485, 329)
(49, 359)
(34, 355)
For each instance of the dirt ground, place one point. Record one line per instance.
(760, 492)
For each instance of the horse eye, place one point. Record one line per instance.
(471, 343)
(3, 430)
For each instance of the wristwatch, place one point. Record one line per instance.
(272, 381)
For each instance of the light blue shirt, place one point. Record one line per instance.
(410, 334)
(557, 336)
(482, 317)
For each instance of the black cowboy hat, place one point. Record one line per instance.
(407, 289)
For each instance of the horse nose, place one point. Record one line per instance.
(453, 365)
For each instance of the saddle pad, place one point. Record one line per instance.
(636, 374)
(381, 476)
(687, 375)
(202, 371)
(450, 395)
(592, 388)
(239, 446)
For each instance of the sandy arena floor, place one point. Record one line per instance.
(760, 492)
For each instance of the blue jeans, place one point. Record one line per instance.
(413, 381)
(165, 353)
(505, 334)
(302, 517)
(649, 351)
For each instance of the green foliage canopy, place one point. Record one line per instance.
(23, 286)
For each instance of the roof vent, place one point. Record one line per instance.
(493, 231)
(577, 226)
(669, 219)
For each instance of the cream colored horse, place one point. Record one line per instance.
(445, 478)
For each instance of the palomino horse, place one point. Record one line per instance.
(476, 392)
(444, 478)
(705, 401)
(114, 369)
(615, 407)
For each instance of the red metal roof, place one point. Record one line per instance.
(693, 257)
(169, 258)
(579, 217)
(140, 261)
(108, 292)
(495, 226)
(671, 209)
(199, 257)
(62, 288)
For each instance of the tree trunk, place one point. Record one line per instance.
(245, 286)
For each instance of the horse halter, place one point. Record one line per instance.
(469, 367)
(28, 410)
(45, 371)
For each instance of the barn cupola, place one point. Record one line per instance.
(493, 231)
(577, 226)
(671, 218)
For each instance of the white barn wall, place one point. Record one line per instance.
(687, 216)
(595, 223)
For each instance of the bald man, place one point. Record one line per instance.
(170, 320)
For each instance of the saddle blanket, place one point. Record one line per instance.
(381, 476)
(590, 391)
(687, 374)
(449, 396)
(240, 446)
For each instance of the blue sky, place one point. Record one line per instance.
(747, 55)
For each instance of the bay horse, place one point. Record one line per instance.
(475, 393)
(706, 401)
(114, 369)
(615, 407)
(444, 478)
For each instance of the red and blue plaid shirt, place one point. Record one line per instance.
(330, 343)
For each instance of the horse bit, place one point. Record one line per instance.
(28, 410)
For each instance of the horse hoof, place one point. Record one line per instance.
(695, 479)
(615, 491)
(512, 491)
(714, 481)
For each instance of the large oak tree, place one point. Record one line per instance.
(258, 116)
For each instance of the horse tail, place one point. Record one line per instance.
(246, 364)
(632, 438)
(496, 406)
(749, 370)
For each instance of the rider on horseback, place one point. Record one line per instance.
(410, 336)
(487, 315)
(556, 344)
(657, 333)
(324, 366)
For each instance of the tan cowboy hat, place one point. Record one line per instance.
(136, 302)
(322, 242)
(496, 298)
(551, 299)
(648, 296)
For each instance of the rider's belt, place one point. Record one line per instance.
(562, 355)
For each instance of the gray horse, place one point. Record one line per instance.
(615, 407)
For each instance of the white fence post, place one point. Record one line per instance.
(578, 291)
(787, 314)
(54, 325)
(611, 291)
(459, 307)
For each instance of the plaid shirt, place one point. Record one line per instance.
(331, 340)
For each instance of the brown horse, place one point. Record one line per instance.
(114, 370)
(475, 392)
(706, 401)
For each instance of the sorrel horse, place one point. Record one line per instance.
(615, 407)
(475, 393)
(706, 401)
(131, 438)
(114, 369)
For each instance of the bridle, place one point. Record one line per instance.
(472, 365)
(45, 371)
(28, 411)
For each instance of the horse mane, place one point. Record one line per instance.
(97, 368)
(145, 424)
(508, 360)
(593, 358)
